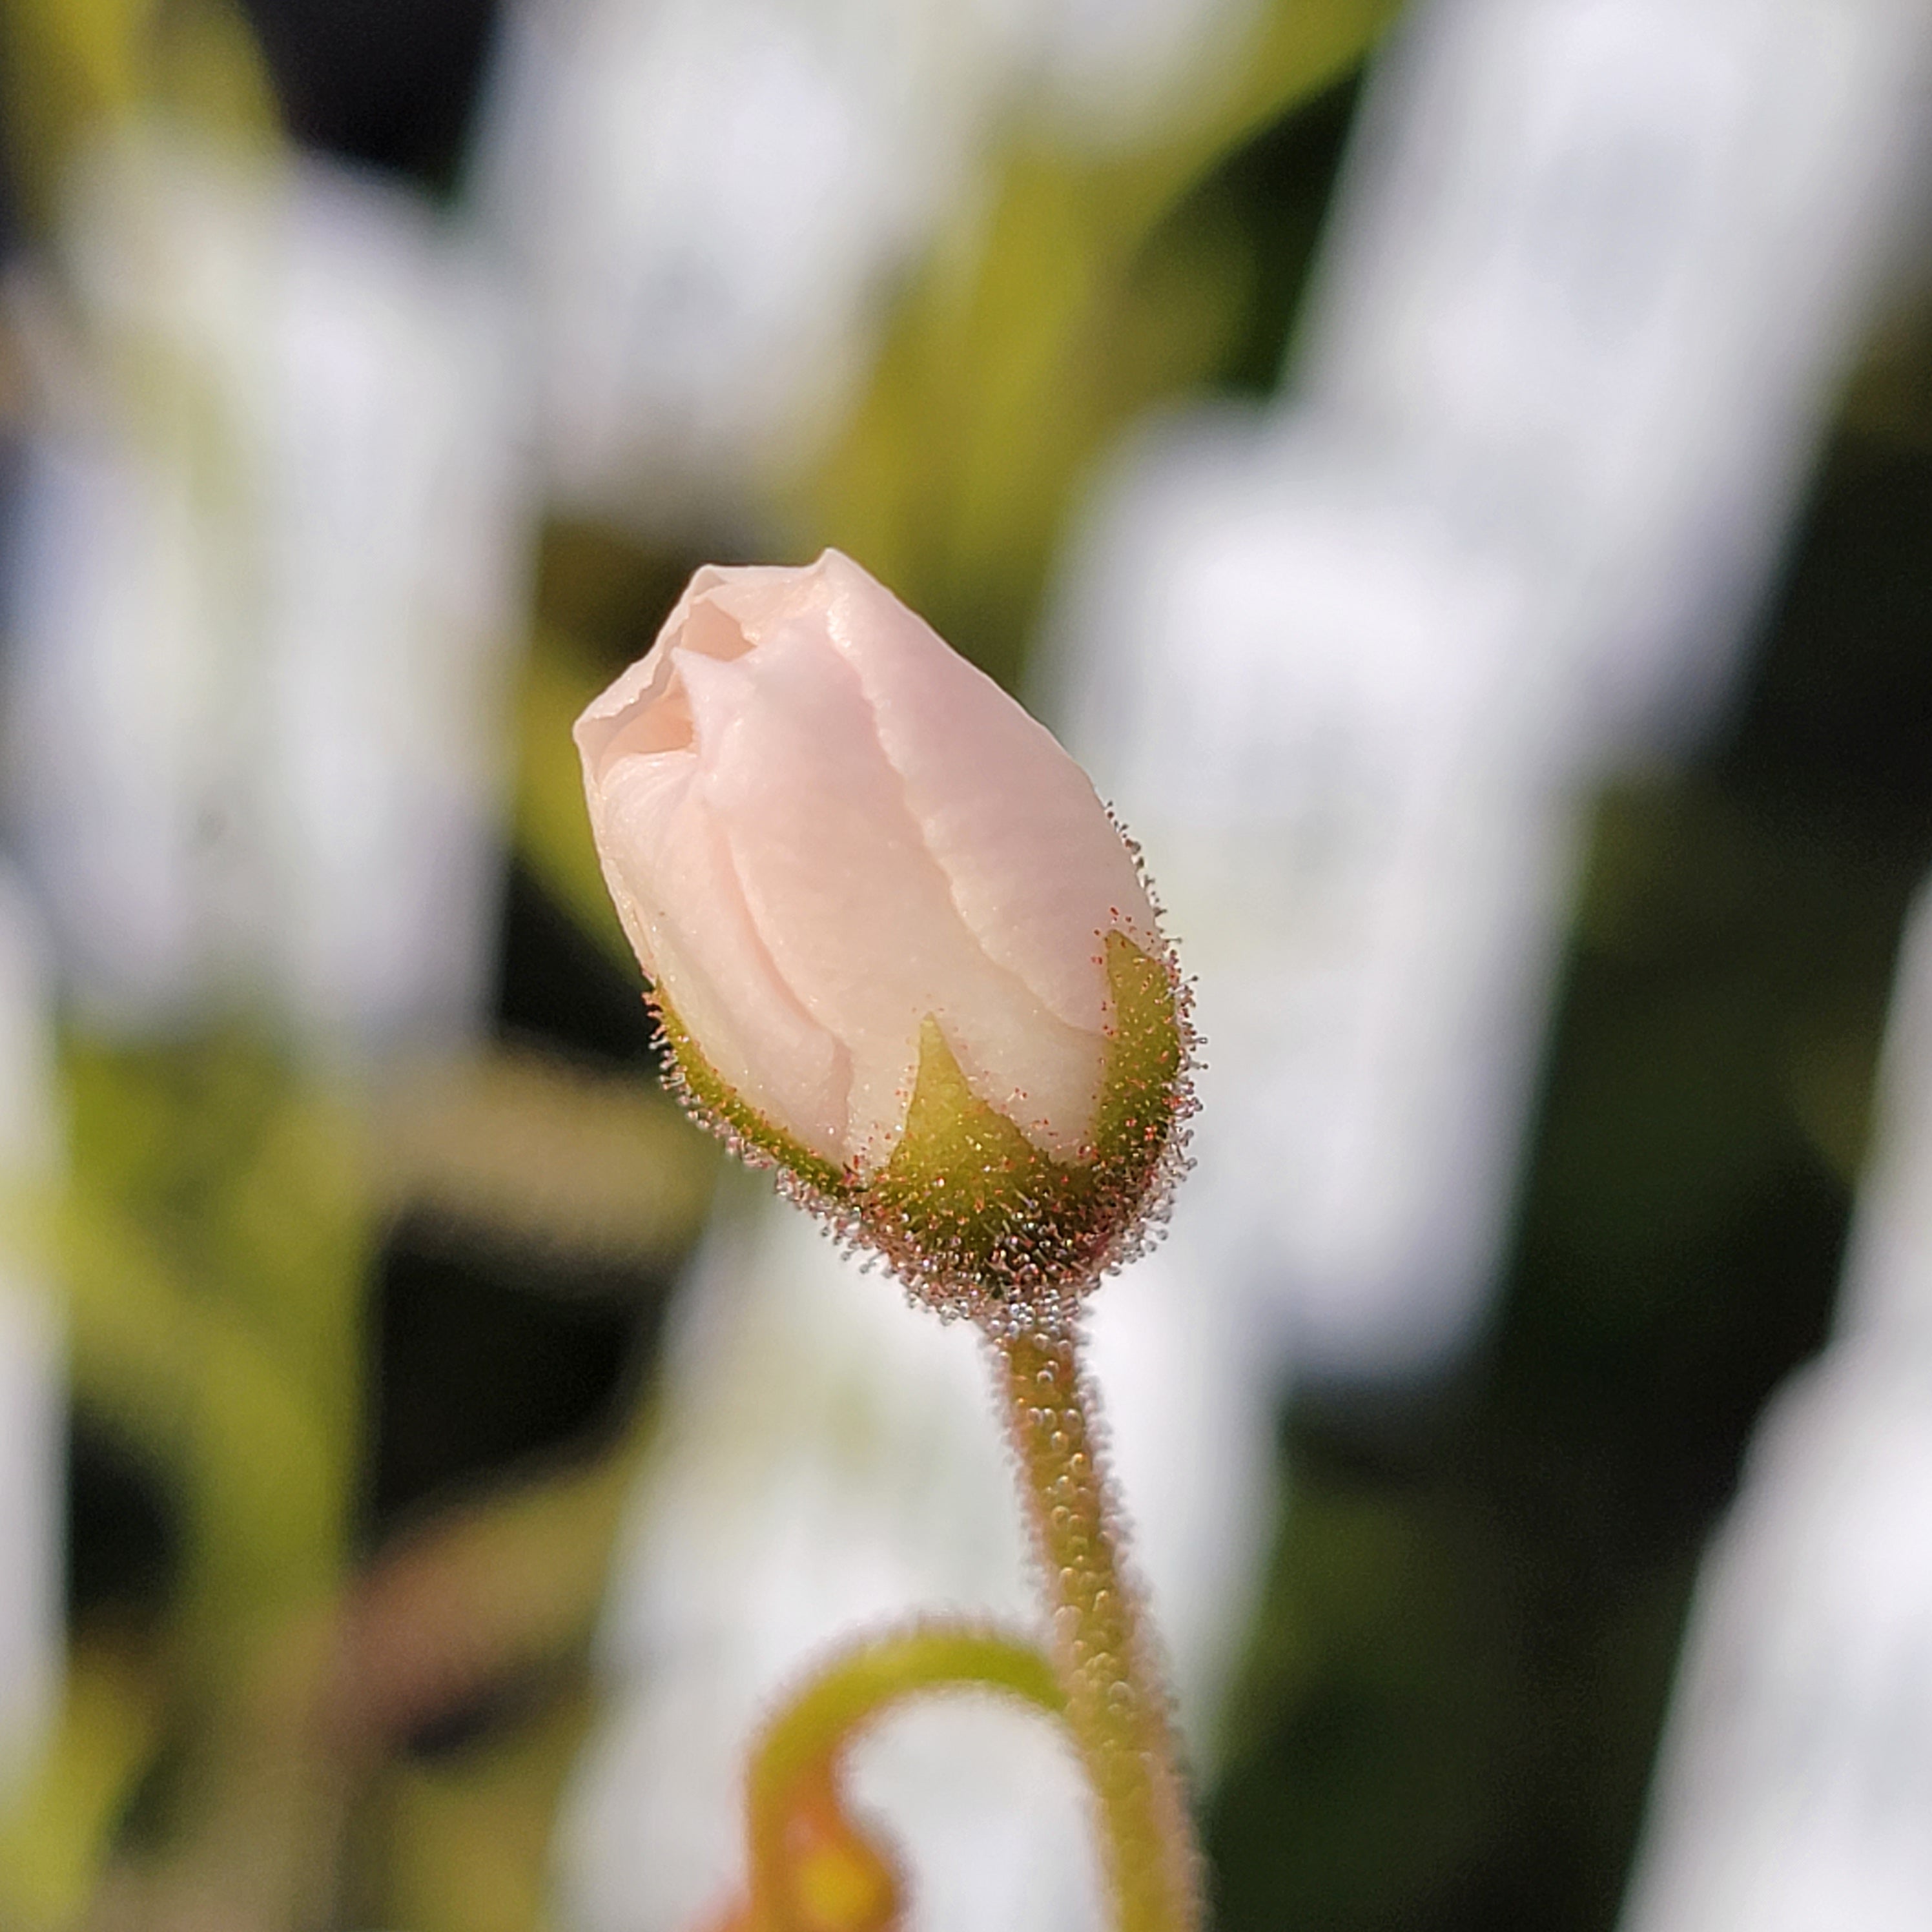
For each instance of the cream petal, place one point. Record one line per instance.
(760, 597)
(860, 920)
(607, 717)
(1037, 870)
(682, 904)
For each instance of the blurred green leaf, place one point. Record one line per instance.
(553, 824)
(70, 69)
(54, 1841)
(1053, 313)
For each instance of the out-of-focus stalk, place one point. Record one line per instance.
(811, 1869)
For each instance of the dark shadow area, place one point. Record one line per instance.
(556, 988)
(390, 83)
(494, 1354)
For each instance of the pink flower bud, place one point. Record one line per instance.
(898, 947)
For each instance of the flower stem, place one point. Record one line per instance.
(1116, 1707)
(811, 1869)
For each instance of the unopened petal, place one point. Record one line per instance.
(614, 711)
(671, 876)
(859, 919)
(1039, 872)
(760, 597)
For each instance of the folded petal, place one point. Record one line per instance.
(682, 905)
(1039, 872)
(860, 918)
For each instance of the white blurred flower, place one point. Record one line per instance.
(710, 203)
(1109, 71)
(265, 582)
(1595, 271)
(826, 1463)
(705, 199)
(1793, 1790)
(1330, 719)
(1796, 1775)
(1594, 267)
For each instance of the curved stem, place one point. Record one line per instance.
(1116, 1708)
(810, 1866)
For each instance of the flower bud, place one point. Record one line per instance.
(897, 947)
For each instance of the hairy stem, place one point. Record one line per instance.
(1116, 1708)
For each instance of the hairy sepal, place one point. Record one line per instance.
(973, 1218)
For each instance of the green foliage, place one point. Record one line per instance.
(1054, 313)
(215, 1246)
(71, 70)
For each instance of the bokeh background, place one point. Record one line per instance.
(1461, 475)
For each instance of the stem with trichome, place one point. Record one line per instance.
(1117, 1708)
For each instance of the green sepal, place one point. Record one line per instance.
(968, 1205)
(967, 1209)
